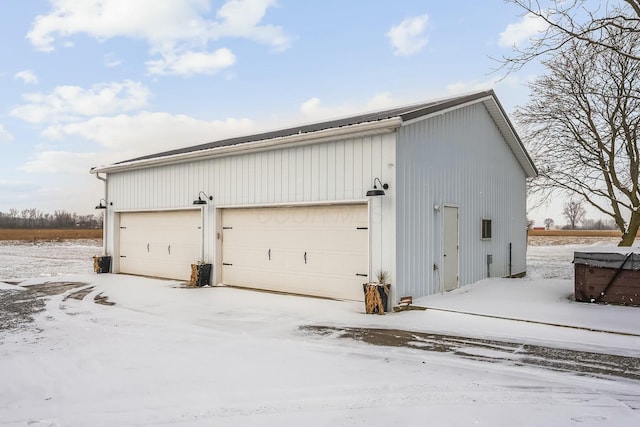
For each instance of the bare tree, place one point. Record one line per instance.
(24, 215)
(574, 213)
(530, 223)
(582, 123)
(548, 223)
(62, 218)
(574, 20)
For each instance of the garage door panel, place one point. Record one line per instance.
(334, 238)
(345, 239)
(160, 244)
(247, 237)
(297, 282)
(255, 257)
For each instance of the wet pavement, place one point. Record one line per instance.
(493, 351)
(19, 306)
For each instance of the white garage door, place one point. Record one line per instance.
(160, 244)
(319, 250)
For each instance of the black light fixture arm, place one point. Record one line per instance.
(102, 204)
(375, 191)
(199, 201)
(385, 186)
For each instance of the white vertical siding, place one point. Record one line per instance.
(461, 159)
(458, 158)
(320, 173)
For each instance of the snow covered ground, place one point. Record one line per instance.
(42, 258)
(169, 355)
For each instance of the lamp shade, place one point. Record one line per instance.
(375, 192)
(200, 201)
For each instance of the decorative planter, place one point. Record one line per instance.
(102, 264)
(376, 296)
(200, 275)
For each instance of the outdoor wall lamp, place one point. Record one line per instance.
(103, 204)
(200, 201)
(377, 191)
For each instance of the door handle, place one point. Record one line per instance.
(147, 247)
(305, 257)
(169, 249)
(269, 254)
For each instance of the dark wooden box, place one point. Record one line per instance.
(607, 277)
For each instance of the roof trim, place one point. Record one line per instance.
(509, 133)
(357, 130)
(353, 126)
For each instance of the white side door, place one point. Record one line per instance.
(450, 247)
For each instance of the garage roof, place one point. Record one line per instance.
(389, 119)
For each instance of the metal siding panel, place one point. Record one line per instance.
(330, 171)
(264, 178)
(367, 156)
(306, 173)
(248, 181)
(341, 172)
(460, 158)
(358, 185)
(286, 184)
(277, 178)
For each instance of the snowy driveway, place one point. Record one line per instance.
(198, 357)
(512, 353)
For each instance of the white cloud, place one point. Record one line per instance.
(27, 77)
(7, 186)
(175, 24)
(70, 102)
(313, 108)
(61, 162)
(241, 18)
(510, 82)
(111, 60)
(5, 136)
(189, 63)
(148, 132)
(529, 27)
(407, 37)
(381, 101)
(470, 86)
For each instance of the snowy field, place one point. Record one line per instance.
(168, 355)
(47, 258)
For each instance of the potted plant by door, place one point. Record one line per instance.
(376, 295)
(102, 264)
(200, 274)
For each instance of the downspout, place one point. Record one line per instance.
(105, 219)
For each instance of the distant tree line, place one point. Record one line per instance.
(574, 212)
(35, 218)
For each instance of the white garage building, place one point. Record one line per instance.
(288, 210)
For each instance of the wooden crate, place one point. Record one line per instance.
(607, 278)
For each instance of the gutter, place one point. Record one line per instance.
(104, 219)
(358, 130)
